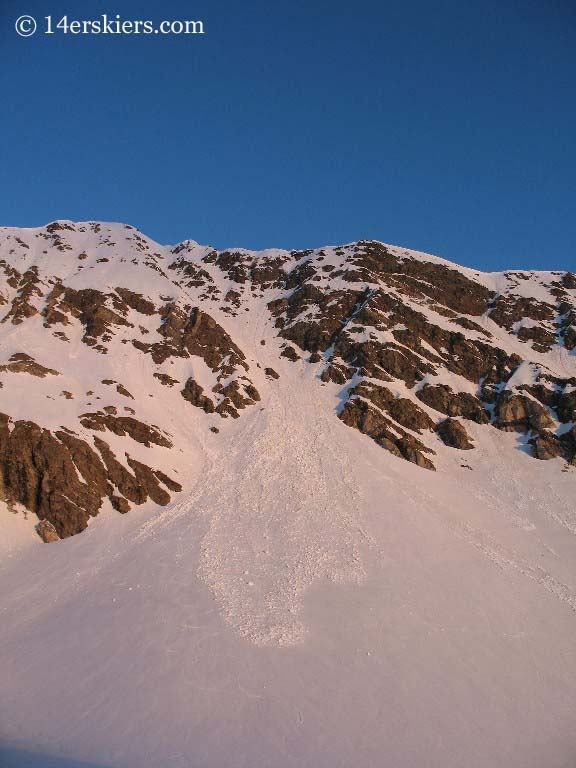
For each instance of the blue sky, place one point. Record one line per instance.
(443, 125)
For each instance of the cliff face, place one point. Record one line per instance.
(118, 352)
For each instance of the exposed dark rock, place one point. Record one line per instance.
(42, 471)
(226, 408)
(148, 482)
(234, 264)
(443, 399)
(125, 425)
(98, 312)
(364, 417)
(22, 363)
(119, 476)
(234, 298)
(520, 413)
(568, 440)
(87, 462)
(566, 325)
(252, 392)
(141, 345)
(165, 379)
(120, 504)
(413, 450)
(38, 472)
(401, 409)
(465, 322)
(271, 373)
(547, 446)
(195, 275)
(510, 309)
(194, 393)
(566, 406)
(290, 353)
(330, 310)
(59, 226)
(167, 481)
(121, 389)
(268, 272)
(136, 301)
(416, 278)
(47, 532)
(569, 280)
(542, 339)
(199, 334)
(453, 434)
(383, 362)
(237, 394)
(22, 305)
(337, 373)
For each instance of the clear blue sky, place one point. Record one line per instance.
(444, 125)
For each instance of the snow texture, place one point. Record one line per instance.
(310, 601)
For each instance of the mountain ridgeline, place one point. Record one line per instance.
(117, 351)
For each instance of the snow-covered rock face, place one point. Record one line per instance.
(119, 357)
(314, 595)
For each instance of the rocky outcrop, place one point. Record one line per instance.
(99, 313)
(39, 473)
(47, 532)
(198, 334)
(23, 304)
(377, 331)
(125, 425)
(453, 434)
(557, 395)
(194, 394)
(338, 372)
(136, 301)
(373, 261)
(569, 280)
(402, 410)
(510, 309)
(443, 399)
(565, 403)
(165, 379)
(520, 413)
(191, 274)
(290, 353)
(365, 418)
(63, 480)
(20, 362)
(547, 446)
(331, 309)
(235, 396)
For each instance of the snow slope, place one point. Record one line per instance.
(309, 600)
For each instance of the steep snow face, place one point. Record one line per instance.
(292, 585)
(107, 332)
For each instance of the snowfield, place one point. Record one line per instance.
(309, 601)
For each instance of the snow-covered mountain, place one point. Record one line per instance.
(234, 434)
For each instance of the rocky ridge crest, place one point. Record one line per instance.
(116, 348)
